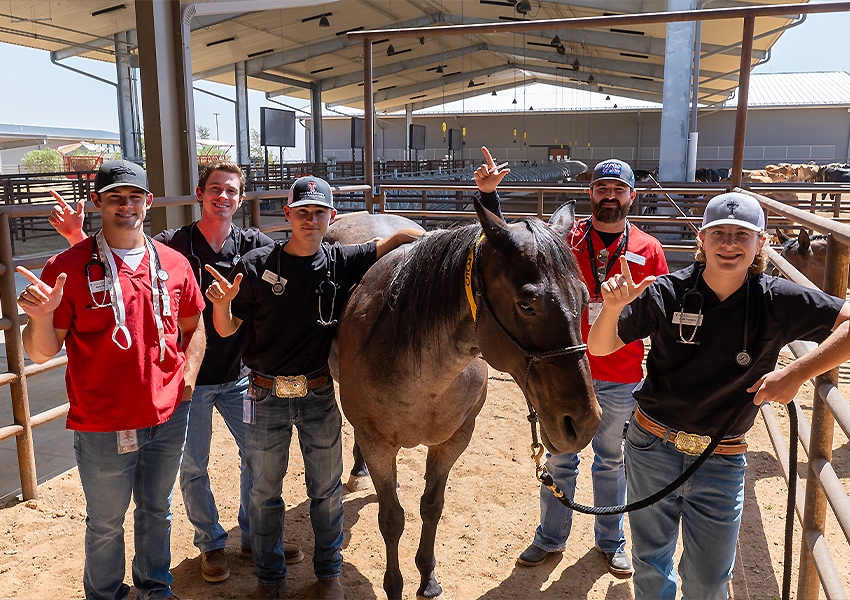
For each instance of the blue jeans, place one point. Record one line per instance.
(109, 479)
(609, 482)
(709, 506)
(194, 479)
(319, 424)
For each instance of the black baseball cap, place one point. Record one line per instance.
(117, 173)
(310, 190)
(614, 169)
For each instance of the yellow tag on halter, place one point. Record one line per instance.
(467, 277)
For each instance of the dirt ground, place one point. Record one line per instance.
(490, 515)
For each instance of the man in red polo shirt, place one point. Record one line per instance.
(118, 301)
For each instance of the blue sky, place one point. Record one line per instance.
(44, 94)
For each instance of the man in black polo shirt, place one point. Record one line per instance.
(717, 328)
(222, 380)
(291, 296)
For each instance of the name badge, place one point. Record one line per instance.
(593, 310)
(127, 441)
(691, 319)
(270, 277)
(97, 286)
(635, 258)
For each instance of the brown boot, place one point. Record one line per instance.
(214, 565)
(269, 591)
(329, 589)
(292, 553)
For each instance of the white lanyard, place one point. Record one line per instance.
(113, 286)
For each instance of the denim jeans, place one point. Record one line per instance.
(708, 505)
(109, 479)
(194, 479)
(609, 482)
(319, 424)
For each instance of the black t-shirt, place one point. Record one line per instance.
(221, 362)
(694, 388)
(283, 335)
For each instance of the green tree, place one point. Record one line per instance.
(256, 150)
(42, 161)
(202, 132)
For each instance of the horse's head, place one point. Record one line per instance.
(807, 254)
(531, 281)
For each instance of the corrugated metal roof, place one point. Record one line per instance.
(798, 89)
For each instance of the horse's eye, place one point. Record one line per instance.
(525, 307)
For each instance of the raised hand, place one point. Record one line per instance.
(38, 299)
(222, 291)
(487, 176)
(619, 290)
(67, 220)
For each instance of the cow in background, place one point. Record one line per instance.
(834, 173)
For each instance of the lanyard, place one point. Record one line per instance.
(113, 286)
(609, 264)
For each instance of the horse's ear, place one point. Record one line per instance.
(494, 228)
(780, 235)
(562, 219)
(803, 242)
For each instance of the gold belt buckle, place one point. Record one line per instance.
(290, 386)
(691, 443)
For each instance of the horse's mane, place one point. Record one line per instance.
(420, 303)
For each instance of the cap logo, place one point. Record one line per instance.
(612, 168)
(311, 187)
(121, 170)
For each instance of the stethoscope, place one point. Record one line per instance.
(327, 284)
(601, 271)
(743, 358)
(193, 257)
(100, 286)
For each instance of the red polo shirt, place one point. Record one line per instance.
(624, 365)
(110, 389)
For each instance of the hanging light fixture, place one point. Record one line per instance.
(607, 97)
(599, 89)
(556, 41)
(514, 102)
(390, 50)
(615, 106)
(523, 7)
(591, 79)
(576, 65)
(323, 22)
(439, 69)
(494, 93)
(561, 50)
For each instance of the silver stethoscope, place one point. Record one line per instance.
(743, 357)
(328, 284)
(193, 258)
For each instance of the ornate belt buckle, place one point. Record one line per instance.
(691, 443)
(290, 387)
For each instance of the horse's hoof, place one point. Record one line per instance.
(358, 483)
(440, 596)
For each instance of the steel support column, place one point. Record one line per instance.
(127, 109)
(243, 135)
(408, 121)
(678, 62)
(820, 441)
(316, 119)
(743, 97)
(166, 72)
(369, 122)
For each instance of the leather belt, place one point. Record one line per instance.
(690, 443)
(295, 386)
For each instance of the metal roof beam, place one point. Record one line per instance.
(307, 85)
(418, 88)
(627, 93)
(436, 101)
(603, 79)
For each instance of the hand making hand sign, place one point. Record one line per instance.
(222, 291)
(38, 299)
(619, 290)
(488, 176)
(67, 220)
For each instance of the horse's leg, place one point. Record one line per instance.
(359, 477)
(440, 461)
(381, 460)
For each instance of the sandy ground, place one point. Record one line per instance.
(490, 515)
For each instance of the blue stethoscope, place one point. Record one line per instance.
(743, 357)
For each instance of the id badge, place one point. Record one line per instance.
(594, 307)
(248, 407)
(127, 441)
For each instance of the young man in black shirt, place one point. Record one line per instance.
(223, 379)
(291, 296)
(717, 328)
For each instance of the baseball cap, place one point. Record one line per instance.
(613, 169)
(733, 208)
(310, 190)
(117, 173)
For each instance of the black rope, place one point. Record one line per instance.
(792, 501)
(546, 479)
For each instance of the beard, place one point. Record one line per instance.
(609, 214)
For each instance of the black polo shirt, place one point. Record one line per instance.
(221, 362)
(283, 336)
(694, 388)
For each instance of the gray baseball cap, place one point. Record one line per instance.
(613, 169)
(733, 208)
(310, 190)
(117, 173)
